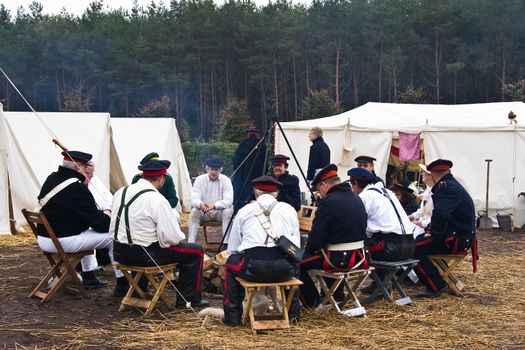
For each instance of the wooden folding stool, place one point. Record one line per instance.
(390, 269)
(270, 321)
(145, 300)
(446, 264)
(351, 280)
(61, 268)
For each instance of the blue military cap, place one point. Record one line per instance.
(215, 162)
(252, 131)
(155, 167)
(266, 183)
(362, 175)
(150, 156)
(325, 173)
(77, 156)
(439, 165)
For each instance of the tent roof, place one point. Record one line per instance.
(411, 117)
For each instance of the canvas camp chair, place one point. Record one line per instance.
(62, 264)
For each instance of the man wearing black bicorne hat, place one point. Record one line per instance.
(74, 216)
(289, 192)
(248, 163)
(452, 226)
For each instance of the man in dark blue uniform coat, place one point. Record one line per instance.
(452, 228)
(289, 192)
(243, 173)
(319, 152)
(74, 216)
(340, 220)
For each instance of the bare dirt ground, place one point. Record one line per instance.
(491, 315)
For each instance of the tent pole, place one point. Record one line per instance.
(12, 223)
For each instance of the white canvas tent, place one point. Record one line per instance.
(28, 156)
(136, 137)
(466, 134)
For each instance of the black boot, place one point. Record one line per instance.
(90, 281)
(121, 288)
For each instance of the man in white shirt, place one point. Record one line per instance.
(147, 233)
(100, 192)
(211, 199)
(254, 256)
(421, 218)
(388, 228)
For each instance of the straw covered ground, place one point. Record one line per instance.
(491, 315)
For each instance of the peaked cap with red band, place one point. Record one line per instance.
(365, 159)
(280, 159)
(439, 165)
(266, 183)
(325, 173)
(77, 156)
(155, 168)
(252, 131)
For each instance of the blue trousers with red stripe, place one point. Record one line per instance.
(259, 264)
(425, 270)
(188, 256)
(343, 260)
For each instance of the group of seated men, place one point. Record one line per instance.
(352, 217)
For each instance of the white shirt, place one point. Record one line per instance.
(247, 232)
(100, 192)
(151, 218)
(218, 192)
(381, 214)
(424, 213)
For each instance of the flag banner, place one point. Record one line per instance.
(408, 146)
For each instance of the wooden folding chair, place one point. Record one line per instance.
(351, 281)
(142, 299)
(446, 264)
(62, 268)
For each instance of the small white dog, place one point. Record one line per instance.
(260, 304)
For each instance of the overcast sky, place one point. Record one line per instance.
(77, 7)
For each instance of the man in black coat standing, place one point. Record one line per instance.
(319, 152)
(242, 163)
(289, 192)
(336, 241)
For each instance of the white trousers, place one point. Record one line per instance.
(197, 216)
(86, 240)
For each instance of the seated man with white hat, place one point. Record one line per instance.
(211, 198)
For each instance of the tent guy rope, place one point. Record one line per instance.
(56, 141)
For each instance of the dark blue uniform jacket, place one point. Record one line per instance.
(340, 218)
